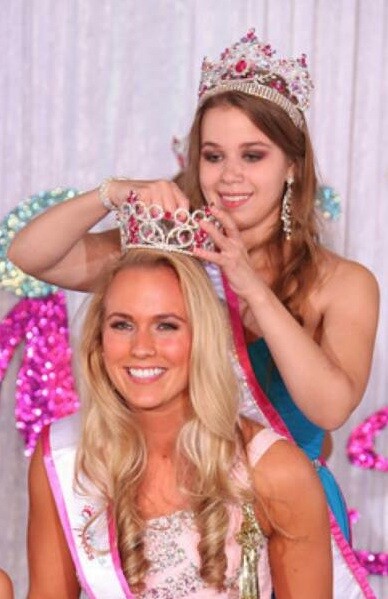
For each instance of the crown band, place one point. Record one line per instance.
(261, 91)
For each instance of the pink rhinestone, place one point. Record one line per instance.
(241, 66)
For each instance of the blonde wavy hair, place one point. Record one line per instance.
(113, 452)
(294, 262)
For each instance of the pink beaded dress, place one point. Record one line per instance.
(171, 546)
(170, 541)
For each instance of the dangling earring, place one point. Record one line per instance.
(285, 216)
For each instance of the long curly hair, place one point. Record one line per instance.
(294, 262)
(113, 451)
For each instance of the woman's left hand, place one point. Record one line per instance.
(232, 256)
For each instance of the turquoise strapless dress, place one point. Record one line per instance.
(307, 435)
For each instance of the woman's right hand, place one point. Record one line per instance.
(160, 191)
(71, 256)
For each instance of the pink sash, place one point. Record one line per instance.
(350, 578)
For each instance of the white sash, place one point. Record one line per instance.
(100, 576)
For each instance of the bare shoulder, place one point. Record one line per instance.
(283, 470)
(288, 486)
(281, 465)
(341, 276)
(284, 466)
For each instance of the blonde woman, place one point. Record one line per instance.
(163, 490)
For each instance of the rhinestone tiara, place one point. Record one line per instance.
(249, 66)
(143, 226)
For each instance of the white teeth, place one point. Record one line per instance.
(143, 373)
(234, 198)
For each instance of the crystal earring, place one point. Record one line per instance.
(285, 215)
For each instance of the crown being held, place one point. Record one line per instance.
(249, 66)
(151, 227)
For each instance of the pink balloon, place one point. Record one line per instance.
(45, 389)
(361, 452)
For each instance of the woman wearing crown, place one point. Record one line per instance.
(304, 319)
(205, 503)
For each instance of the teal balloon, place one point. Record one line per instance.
(11, 277)
(328, 202)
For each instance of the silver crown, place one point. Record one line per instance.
(152, 227)
(249, 66)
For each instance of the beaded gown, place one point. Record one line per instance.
(170, 541)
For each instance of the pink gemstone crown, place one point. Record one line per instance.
(152, 227)
(249, 66)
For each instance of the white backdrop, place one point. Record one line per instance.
(91, 88)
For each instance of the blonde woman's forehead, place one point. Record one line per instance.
(145, 291)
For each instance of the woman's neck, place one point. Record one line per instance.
(161, 429)
(159, 494)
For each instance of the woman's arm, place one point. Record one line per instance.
(51, 570)
(299, 539)
(326, 378)
(56, 246)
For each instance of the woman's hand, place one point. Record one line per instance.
(72, 256)
(232, 256)
(165, 193)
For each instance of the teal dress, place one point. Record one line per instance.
(307, 435)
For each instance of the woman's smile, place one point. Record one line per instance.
(240, 169)
(145, 375)
(233, 200)
(147, 338)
